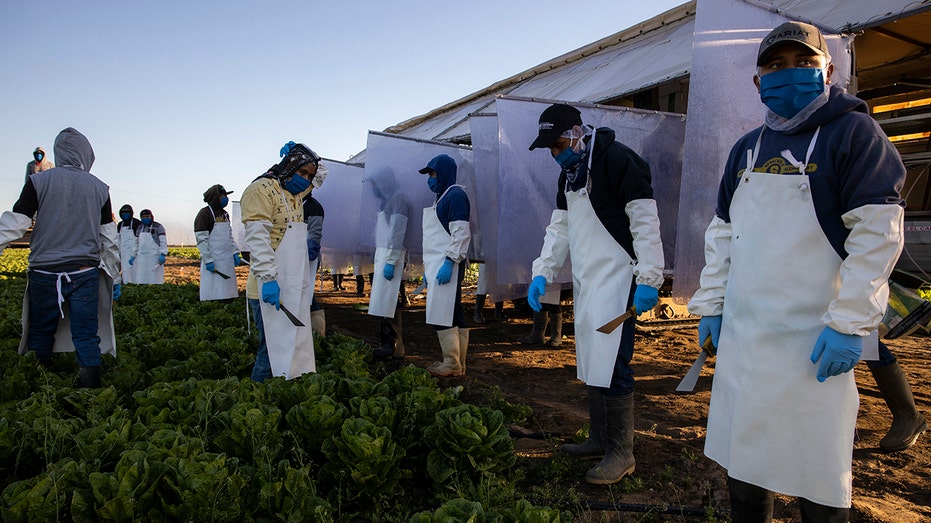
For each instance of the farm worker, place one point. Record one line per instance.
(148, 262)
(219, 255)
(313, 217)
(390, 232)
(39, 163)
(606, 215)
(446, 237)
(126, 228)
(273, 219)
(807, 228)
(74, 263)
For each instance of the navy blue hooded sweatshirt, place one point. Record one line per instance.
(853, 163)
(454, 206)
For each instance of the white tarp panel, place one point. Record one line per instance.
(635, 64)
(239, 232)
(438, 125)
(841, 15)
(647, 60)
(527, 179)
(405, 157)
(485, 161)
(340, 196)
(723, 106)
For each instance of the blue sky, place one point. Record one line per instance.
(175, 96)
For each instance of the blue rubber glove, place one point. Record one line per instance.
(237, 260)
(271, 294)
(286, 149)
(313, 249)
(535, 292)
(161, 259)
(445, 273)
(389, 271)
(645, 298)
(210, 267)
(117, 292)
(132, 259)
(709, 326)
(838, 353)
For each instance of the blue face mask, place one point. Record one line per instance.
(147, 221)
(125, 216)
(567, 158)
(224, 201)
(433, 184)
(296, 184)
(39, 157)
(788, 91)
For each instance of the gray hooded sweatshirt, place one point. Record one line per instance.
(70, 205)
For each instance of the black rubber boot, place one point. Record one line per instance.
(555, 329)
(391, 342)
(749, 503)
(539, 327)
(907, 422)
(477, 316)
(360, 285)
(814, 513)
(89, 377)
(499, 311)
(594, 446)
(619, 446)
(337, 282)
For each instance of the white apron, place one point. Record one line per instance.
(63, 341)
(291, 348)
(770, 422)
(212, 285)
(602, 273)
(127, 246)
(146, 266)
(441, 299)
(384, 296)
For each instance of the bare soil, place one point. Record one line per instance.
(670, 426)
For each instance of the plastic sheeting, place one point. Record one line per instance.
(341, 198)
(485, 158)
(405, 157)
(527, 179)
(723, 106)
(627, 67)
(619, 68)
(849, 14)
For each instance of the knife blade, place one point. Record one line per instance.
(691, 377)
(609, 327)
(220, 274)
(292, 317)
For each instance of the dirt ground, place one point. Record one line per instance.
(670, 426)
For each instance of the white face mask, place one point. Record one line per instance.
(320, 176)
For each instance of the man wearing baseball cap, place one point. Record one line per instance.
(807, 228)
(219, 255)
(606, 218)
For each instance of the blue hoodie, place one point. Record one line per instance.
(853, 163)
(454, 207)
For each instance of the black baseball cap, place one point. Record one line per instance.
(805, 34)
(555, 120)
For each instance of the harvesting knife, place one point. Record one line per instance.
(691, 377)
(293, 318)
(609, 327)
(220, 274)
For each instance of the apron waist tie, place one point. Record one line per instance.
(67, 277)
